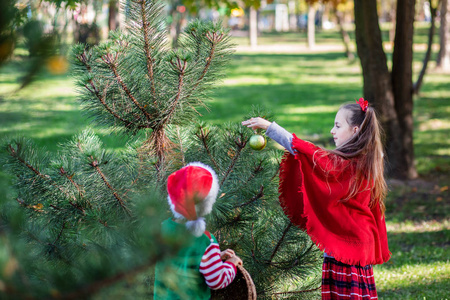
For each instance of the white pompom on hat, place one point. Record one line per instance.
(192, 192)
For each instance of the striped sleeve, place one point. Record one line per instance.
(218, 274)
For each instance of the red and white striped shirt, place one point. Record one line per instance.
(217, 274)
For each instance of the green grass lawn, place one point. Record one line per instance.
(302, 91)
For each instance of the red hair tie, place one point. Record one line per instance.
(363, 103)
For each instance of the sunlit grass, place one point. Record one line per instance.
(310, 110)
(419, 281)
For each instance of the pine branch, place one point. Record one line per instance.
(148, 55)
(98, 285)
(52, 245)
(254, 198)
(255, 171)
(107, 58)
(240, 145)
(121, 202)
(180, 68)
(159, 136)
(203, 138)
(63, 172)
(213, 38)
(279, 242)
(60, 234)
(298, 292)
(295, 262)
(14, 154)
(84, 60)
(180, 142)
(254, 243)
(110, 110)
(33, 207)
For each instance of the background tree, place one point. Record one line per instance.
(253, 26)
(433, 13)
(113, 14)
(20, 20)
(391, 92)
(339, 8)
(88, 222)
(311, 24)
(253, 7)
(181, 10)
(443, 58)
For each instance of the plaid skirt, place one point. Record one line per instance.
(342, 281)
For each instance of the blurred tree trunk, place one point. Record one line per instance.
(253, 27)
(390, 93)
(311, 26)
(418, 84)
(86, 31)
(177, 12)
(392, 13)
(292, 15)
(344, 33)
(443, 58)
(113, 20)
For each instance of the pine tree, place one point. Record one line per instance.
(133, 82)
(89, 217)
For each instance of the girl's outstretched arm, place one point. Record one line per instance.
(274, 131)
(255, 123)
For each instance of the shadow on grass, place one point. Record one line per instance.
(10, 118)
(418, 248)
(412, 204)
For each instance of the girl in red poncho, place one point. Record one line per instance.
(337, 196)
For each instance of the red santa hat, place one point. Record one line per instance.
(192, 191)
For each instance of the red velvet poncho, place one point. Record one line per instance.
(311, 196)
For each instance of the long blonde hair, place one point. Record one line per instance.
(366, 148)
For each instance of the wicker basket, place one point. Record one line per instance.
(242, 288)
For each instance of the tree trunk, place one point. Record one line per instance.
(253, 27)
(378, 84)
(344, 33)
(292, 16)
(175, 27)
(113, 20)
(418, 84)
(393, 20)
(443, 59)
(311, 26)
(403, 87)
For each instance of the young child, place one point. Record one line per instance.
(337, 196)
(198, 266)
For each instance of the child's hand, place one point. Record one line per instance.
(255, 123)
(235, 260)
(227, 254)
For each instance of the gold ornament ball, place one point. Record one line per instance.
(257, 142)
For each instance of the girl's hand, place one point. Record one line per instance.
(255, 123)
(227, 254)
